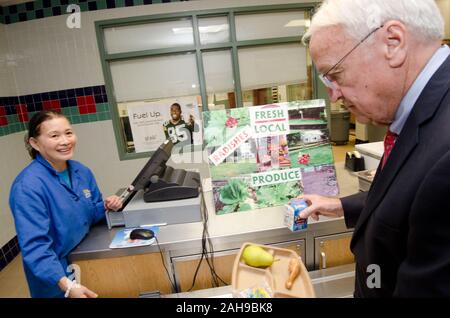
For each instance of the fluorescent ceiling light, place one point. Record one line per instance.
(205, 29)
(182, 30)
(214, 28)
(298, 23)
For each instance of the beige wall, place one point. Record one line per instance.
(13, 158)
(7, 80)
(69, 59)
(444, 6)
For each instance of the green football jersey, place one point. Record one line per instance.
(179, 132)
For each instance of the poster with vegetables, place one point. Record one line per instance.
(263, 156)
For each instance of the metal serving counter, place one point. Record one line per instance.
(225, 232)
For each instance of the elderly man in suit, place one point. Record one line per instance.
(385, 60)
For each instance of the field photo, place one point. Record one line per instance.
(230, 169)
(311, 156)
(236, 195)
(320, 180)
(278, 194)
(242, 161)
(307, 115)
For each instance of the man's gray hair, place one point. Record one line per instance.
(360, 17)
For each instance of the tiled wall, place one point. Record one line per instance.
(8, 252)
(80, 105)
(6, 84)
(47, 8)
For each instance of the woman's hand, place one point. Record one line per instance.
(81, 291)
(113, 203)
(319, 205)
(76, 290)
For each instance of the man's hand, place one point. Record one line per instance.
(319, 205)
(113, 203)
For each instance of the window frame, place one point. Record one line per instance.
(233, 45)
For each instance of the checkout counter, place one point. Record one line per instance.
(131, 272)
(372, 153)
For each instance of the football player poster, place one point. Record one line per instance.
(152, 123)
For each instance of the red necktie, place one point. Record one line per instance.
(389, 142)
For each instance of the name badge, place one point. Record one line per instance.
(87, 193)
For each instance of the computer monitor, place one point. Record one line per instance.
(154, 167)
(163, 183)
(152, 170)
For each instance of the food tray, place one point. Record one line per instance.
(275, 276)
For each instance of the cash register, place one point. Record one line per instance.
(160, 194)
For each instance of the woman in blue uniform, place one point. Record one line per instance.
(54, 201)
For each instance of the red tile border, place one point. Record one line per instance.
(86, 104)
(81, 101)
(22, 113)
(21, 109)
(90, 100)
(23, 117)
(53, 104)
(3, 121)
(46, 105)
(91, 109)
(82, 110)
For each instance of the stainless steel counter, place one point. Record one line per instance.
(224, 230)
(336, 282)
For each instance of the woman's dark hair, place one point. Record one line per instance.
(34, 128)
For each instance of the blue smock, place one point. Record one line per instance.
(51, 219)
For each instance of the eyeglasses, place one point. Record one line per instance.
(324, 77)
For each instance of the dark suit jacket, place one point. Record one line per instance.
(403, 223)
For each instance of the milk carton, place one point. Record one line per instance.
(291, 215)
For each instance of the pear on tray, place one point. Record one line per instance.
(256, 256)
(278, 271)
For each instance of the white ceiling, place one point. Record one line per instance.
(5, 3)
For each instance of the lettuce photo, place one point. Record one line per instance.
(235, 196)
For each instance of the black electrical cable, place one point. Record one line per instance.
(202, 255)
(205, 220)
(208, 256)
(210, 262)
(212, 267)
(174, 287)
